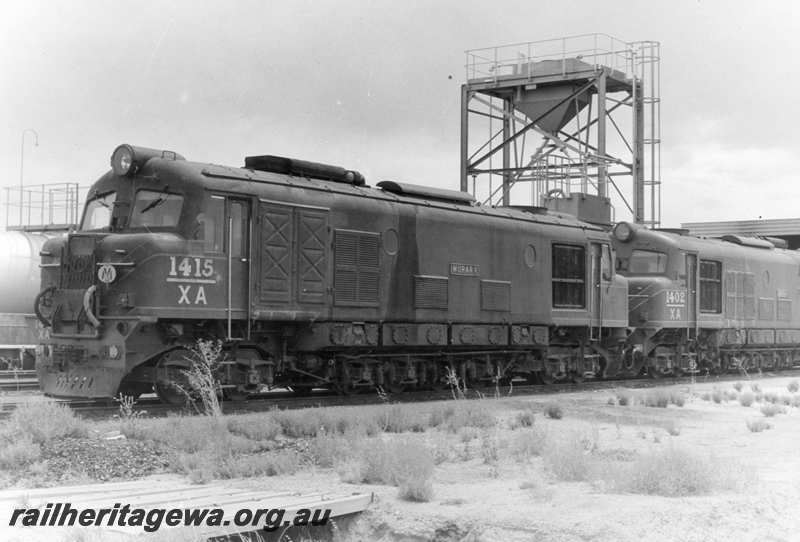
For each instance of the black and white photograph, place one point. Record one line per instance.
(364, 270)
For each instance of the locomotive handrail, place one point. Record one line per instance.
(39, 316)
(87, 306)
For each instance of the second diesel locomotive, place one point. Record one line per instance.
(699, 304)
(313, 279)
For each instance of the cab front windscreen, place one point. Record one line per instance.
(98, 211)
(647, 262)
(153, 208)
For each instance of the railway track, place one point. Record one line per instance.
(320, 398)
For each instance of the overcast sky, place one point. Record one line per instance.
(367, 85)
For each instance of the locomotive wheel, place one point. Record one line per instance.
(168, 393)
(301, 391)
(170, 374)
(548, 378)
(232, 394)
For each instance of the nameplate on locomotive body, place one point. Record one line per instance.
(465, 269)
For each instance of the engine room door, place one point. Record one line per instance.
(600, 269)
(237, 219)
(691, 293)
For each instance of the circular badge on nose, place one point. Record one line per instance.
(107, 273)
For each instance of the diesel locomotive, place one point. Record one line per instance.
(312, 278)
(708, 305)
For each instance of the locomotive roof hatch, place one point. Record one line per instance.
(748, 241)
(426, 192)
(303, 168)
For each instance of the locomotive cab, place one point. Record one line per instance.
(147, 268)
(662, 297)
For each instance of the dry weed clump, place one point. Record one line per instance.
(717, 396)
(528, 443)
(771, 397)
(404, 463)
(327, 450)
(568, 455)
(526, 418)
(18, 452)
(673, 429)
(201, 387)
(402, 419)
(737, 386)
(771, 410)
(662, 398)
(755, 388)
(414, 472)
(758, 425)
(490, 447)
(258, 427)
(44, 421)
(453, 416)
(793, 386)
(623, 397)
(670, 472)
(553, 411)
(746, 398)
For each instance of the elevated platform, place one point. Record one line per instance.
(579, 114)
(787, 229)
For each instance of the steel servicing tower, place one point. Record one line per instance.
(544, 121)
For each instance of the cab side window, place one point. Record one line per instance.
(569, 277)
(210, 224)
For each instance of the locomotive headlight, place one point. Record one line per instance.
(122, 160)
(623, 232)
(127, 159)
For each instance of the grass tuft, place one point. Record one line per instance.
(568, 455)
(19, 452)
(528, 443)
(793, 386)
(758, 425)
(406, 464)
(746, 398)
(670, 472)
(771, 410)
(553, 411)
(673, 429)
(738, 386)
(45, 420)
(623, 397)
(523, 419)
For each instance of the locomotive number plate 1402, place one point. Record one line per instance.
(676, 297)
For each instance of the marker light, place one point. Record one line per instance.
(623, 232)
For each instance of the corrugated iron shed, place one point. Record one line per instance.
(784, 228)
